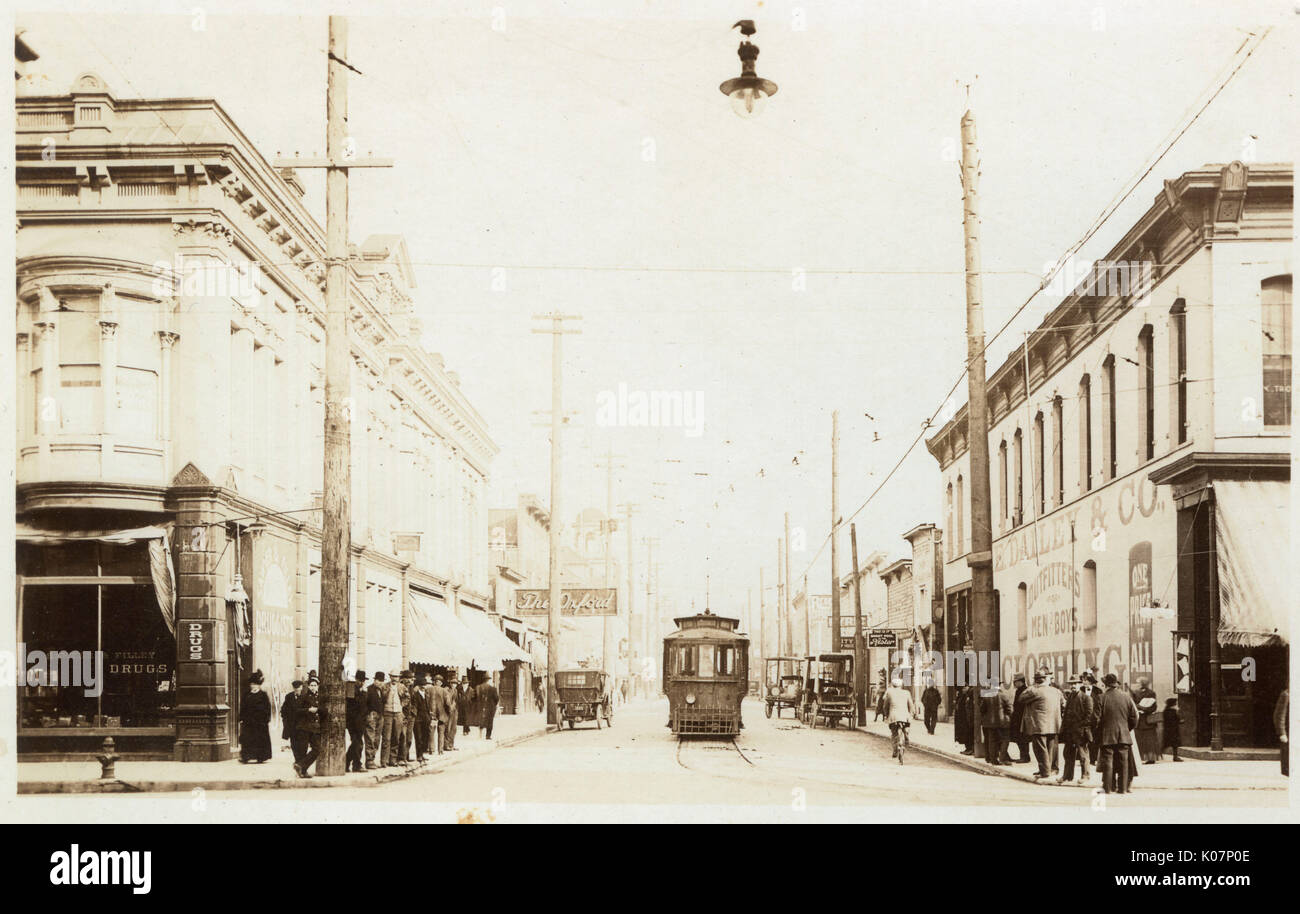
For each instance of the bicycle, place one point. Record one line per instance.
(898, 736)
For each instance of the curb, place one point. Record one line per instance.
(985, 768)
(319, 783)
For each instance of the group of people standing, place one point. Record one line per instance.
(385, 717)
(1099, 723)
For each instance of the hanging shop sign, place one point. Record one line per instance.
(574, 601)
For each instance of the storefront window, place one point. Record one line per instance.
(97, 651)
(1276, 323)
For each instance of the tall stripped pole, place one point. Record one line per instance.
(835, 530)
(557, 331)
(859, 649)
(336, 501)
(980, 559)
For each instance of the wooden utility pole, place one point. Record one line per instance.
(648, 633)
(807, 612)
(980, 559)
(631, 509)
(336, 503)
(762, 626)
(789, 599)
(859, 648)
(557, 331)
(780, 597)
(835, 530)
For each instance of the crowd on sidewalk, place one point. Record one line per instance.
(386, 718)
(1095, 723)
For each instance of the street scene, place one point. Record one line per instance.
(699, 413)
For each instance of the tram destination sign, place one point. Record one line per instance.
(574, 601)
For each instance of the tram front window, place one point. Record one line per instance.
(724, 660)
(687, 661)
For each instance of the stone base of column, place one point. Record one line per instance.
(202, 734)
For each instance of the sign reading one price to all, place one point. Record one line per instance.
(575, 601)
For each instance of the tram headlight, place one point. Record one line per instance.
(690, 699)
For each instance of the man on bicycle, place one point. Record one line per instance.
(899, 708)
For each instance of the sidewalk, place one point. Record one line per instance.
(1163, 775)
(164, 776)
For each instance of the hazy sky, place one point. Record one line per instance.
(588, 159)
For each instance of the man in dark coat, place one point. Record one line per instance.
(289, 717)
(930, 701)
(255, 722)
(1042, 722)
(995, 721)
(963, 729)
(356, 723)
(452, 691)
(1076, 729)
(487, 699)
(404, 687)
(310, 713)
(465, 706)
(1018, 719)
(422, 713)
(1093, 679)
(1119, 716)
(440, 711)
(375, 698)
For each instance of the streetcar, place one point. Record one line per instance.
(705, 675)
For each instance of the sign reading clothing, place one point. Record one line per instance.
(576, 601)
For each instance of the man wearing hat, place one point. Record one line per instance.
(404, 687)
(439, 711)
(375, 699)
(309, 726)
(390, 754)
(1076, 729)
(1042, 721)
(421, 714)
(452, 690)
(1119, 715)
(289, 717)
(356, 722)
(1018, 719)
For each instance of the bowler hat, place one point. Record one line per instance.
(1110, 679)
(379, 677)
(1039, 677)
(361, 676)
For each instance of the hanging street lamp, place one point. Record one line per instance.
(748, 92)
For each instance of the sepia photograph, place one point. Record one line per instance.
(569, 413)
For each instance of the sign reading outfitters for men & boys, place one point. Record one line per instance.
(574, 601)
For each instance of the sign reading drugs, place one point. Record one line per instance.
(574, 601)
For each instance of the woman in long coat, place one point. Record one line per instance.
(963, 730)
(1148, 739)
(255, 722)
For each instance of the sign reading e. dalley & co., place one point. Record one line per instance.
(575, 601)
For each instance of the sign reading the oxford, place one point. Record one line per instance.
(574, 601)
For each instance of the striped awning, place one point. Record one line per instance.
(494, 647)
(1253, 546)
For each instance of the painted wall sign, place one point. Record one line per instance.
(1139, 595)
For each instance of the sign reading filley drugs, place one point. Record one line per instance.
(574, 601)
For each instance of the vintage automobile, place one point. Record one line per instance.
(583, 695)
(783, 691)
(829, 695)
(705, 675)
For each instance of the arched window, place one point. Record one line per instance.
(1022, 612)
(961, 516)
(1088, 597)
(1178, 364)
(1002, 475)
(1040, 488)
(951, 554)
(1058, 452)
(1147, 393)
(1275, 321)
(1018, 467)
(1085, 434)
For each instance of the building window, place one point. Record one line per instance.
(80, 397)
(961, 520)
(1085, 434)
(1110, 455)
(1147, 392)
(1178, 344)
(1022, 612)
(1275, 320)
(1018, 467)
(1088, 597)
(1058, 450)
(951, 553)
(1002, 474)
(1040, 495)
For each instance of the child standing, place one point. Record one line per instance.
(1172, 723)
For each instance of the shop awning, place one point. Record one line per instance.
(1252, 529)
(437, 637)
(160, 557)
(494, 646)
